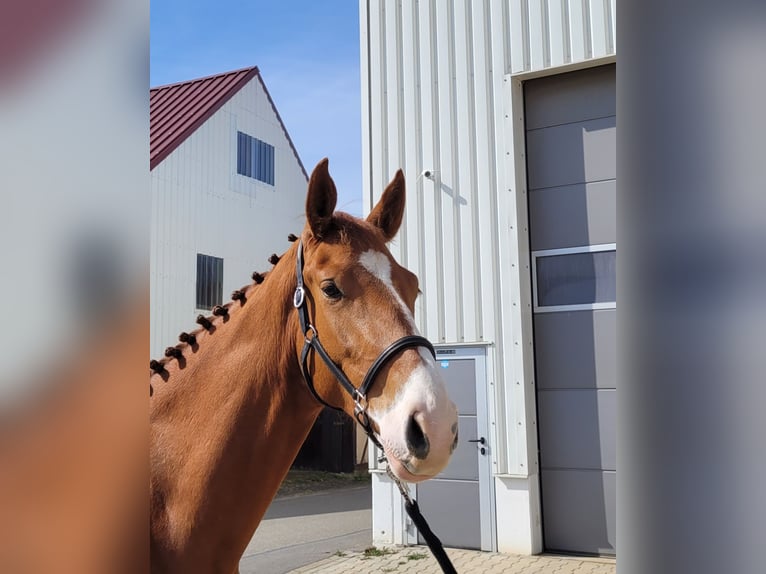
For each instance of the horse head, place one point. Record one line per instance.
(359, 300)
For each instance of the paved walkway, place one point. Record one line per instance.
(418, 560)
(299, 530)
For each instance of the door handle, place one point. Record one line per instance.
(481, 440)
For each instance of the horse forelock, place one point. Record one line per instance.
(348, 230)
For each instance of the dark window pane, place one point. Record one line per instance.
(248, 156)
(271, 165)
(206, 297)
(209, 281)
(250, 163)
(577, 278)
(240, 160)
(258, 160)
(199, 280)
(261, 162)
(206, 282)
(255, 158)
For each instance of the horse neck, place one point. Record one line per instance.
(227, 426)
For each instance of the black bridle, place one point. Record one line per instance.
(311, 342)
(359, 395)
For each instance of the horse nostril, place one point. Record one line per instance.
(416, 440)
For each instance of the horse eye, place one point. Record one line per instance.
(331, 290)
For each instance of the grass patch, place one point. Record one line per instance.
(416, 556)
(375, 551)
(339, 553)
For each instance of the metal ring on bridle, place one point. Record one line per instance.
(310, 329)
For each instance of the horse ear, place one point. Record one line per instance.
(321, 199)
(387, 214)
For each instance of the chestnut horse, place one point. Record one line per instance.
(230, 405)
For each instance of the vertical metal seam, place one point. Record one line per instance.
(437, 168)
(566, 26)
(384, 104)
(609, 30)
(419, 162)
(587, 31)
(488, 95)
(454, 156)
(506, 17)
(401, 137)
(496, 283)
(419, 199)
(475, 236)
(546, 32)
(526, 43)
(369, 175)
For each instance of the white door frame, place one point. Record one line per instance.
(477, 352)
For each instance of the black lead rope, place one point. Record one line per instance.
(433, 542)
(311, 342)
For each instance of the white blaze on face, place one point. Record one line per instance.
(423, 392)
(379, 266)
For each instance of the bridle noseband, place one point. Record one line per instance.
(311, 341)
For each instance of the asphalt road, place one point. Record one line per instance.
(303, 529)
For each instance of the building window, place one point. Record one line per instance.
(255, 158)
(575, 278)
(209, 281)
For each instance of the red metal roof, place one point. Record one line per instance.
(177, 110)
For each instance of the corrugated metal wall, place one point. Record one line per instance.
(437, 95)
(201, 205)
(548, 33)
(432, 85)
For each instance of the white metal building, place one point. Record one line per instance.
(502, 114)
(227, 188)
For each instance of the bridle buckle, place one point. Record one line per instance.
(360, 413)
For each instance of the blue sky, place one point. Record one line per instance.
(308, 55)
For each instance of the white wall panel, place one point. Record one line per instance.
(201, 205)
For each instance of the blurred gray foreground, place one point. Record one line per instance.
(304, 529)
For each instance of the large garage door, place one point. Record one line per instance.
(571, 167)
